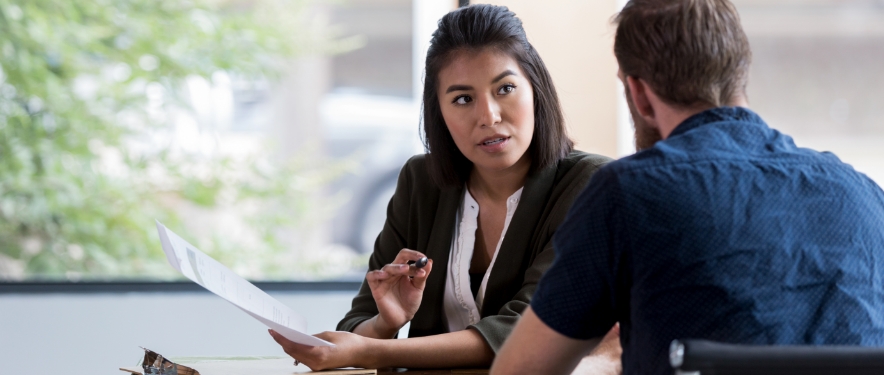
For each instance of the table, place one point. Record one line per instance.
(284, 366)
(434, 372)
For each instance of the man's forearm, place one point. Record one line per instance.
(534, 348)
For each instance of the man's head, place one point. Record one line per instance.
(679, 57)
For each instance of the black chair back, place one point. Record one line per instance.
(701, 357)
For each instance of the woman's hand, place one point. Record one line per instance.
(349, 350)
(605, 358)
(397, 290)
(610, 345)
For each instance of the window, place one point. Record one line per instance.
(267, 133)
(816, 75)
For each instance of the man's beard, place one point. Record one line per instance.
(645, 135)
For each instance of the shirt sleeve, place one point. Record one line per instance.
(576, 296)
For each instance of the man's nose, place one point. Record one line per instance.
(489, 112)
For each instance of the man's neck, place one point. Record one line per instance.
(672, 117)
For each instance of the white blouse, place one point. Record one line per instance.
(461, 310)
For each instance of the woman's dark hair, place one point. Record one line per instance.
(471, 29)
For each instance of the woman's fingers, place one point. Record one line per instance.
(391, 271)
(390, 274)
(407, 254)
(297, 351)
(376, 277)
(402, 270)
(395, 269)
(421, 275)
(377, 281)
(610, 344)
(311, 356)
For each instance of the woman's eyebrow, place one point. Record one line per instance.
(504, 74)
(467, 88)
(458, 88)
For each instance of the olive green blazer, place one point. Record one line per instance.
(421, 217)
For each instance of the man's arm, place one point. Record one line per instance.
(534, 348)
(574, 300)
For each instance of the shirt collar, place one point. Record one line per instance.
(717, 114)
(470, 204)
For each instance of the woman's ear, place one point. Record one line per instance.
(639, 92)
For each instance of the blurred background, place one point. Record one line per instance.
(269, 133)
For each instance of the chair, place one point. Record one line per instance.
(701, 357)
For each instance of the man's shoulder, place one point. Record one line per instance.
(676, 172)
(731, 143)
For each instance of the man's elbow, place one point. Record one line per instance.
(535, 348)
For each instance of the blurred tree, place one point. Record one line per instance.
(88, 89)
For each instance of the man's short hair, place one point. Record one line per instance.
(689, 51)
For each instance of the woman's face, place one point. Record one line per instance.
(488, 106)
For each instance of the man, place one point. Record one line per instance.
(723, 230)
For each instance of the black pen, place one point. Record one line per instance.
(420, 263)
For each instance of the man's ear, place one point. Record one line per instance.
(639, 90)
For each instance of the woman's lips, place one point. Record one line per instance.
(494, 144)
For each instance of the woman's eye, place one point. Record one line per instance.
(506, 89)
(463, 99)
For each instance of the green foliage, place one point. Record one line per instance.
(86, 87)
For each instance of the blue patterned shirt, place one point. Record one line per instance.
(724, 231)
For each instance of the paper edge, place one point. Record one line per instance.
(167, 246)
(281, 329)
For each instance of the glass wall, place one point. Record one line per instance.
(267, 133)
(816, 74)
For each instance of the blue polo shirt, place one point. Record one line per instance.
(724, 231)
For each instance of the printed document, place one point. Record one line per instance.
(218, 279)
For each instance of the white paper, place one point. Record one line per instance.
(218, 279)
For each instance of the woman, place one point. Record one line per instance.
(482, 205)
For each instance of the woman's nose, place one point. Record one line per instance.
(489, 112)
